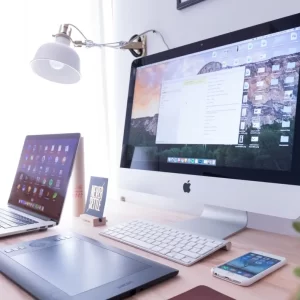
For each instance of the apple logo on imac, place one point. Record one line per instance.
(187, 187)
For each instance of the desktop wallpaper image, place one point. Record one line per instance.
(272, 100)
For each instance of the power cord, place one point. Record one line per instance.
(157, 32)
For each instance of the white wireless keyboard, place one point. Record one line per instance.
(174, 244)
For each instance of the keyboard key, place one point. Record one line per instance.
(210, 240)
(167, 241)
(218, 243)
(187, 260)
(203, 251)
(138, 242)
(170, 247)
(164, 251)
(120, 236)
(157, 249)
(207, 248)
(190, 254)
(179, 256)
(8, 250)
(171, 254)
(177, 250)
(200, 243)
(187, 248)
(212, 245)
(195, 250)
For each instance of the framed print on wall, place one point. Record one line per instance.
(181, 4)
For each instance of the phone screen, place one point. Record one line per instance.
(249, 265)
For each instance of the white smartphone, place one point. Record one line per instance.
(249, 268)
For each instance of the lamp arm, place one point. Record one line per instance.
(136, 45)
(115, 45)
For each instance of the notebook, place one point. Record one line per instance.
(202, 293)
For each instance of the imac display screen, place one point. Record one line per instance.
(231, 106)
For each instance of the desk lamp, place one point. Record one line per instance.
(60, 63)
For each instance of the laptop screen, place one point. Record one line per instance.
(43, 173)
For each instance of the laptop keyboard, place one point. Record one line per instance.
(9, 219)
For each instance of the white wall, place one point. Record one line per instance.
(204, 20)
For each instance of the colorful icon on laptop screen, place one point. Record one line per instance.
(50, 182)
(41, 192)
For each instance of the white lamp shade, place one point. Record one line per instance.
(57, 62)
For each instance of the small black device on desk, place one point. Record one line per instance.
(72, 266)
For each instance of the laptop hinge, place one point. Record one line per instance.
(36, 215)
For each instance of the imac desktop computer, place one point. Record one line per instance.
(218, 121)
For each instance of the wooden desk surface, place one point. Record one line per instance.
(279, 285)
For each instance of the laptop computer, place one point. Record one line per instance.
(39, 189)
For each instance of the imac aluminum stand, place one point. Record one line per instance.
(216, 222)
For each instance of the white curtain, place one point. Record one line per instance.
(31, 105)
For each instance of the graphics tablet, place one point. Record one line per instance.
(72, 266)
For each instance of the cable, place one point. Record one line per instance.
(78, 31)
(157, 32)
